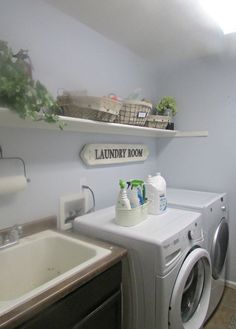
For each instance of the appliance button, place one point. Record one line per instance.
(223, 208)
(190, 235)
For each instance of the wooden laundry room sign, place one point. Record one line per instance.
(106, 154)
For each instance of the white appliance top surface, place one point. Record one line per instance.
(189, 198)
(156, 228)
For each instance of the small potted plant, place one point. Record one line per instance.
(167, 107)
(19, 92)
(162, 114)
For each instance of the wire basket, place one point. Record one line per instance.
(157, 121)
(134, 113)
(89, 107)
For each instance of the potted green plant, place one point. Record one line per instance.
(167, 107)
(19, 92)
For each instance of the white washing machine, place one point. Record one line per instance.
(167, 275)
(213, 207)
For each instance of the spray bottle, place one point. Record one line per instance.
(123, 201)
(137, 193)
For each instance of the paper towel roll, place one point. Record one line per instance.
(12, 184)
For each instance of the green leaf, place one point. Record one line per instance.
(22, 94)
(167, 102)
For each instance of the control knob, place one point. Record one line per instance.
(191, 235)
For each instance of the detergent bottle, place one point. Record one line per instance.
(161, 187)
(156, 194)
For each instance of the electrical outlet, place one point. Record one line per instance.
(71, 206)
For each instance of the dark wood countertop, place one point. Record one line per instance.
(30, 308)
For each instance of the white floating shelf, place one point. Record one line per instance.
(11, 119)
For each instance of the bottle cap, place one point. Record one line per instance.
(122, 183)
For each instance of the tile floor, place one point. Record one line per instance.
(223, 314)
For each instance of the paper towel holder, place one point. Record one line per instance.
(15, 158)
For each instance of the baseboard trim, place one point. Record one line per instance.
(230, 284)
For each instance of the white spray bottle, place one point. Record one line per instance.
(123, 201)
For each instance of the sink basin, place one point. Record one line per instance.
(39, 262)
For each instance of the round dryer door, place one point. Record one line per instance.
(191, 293)
(219, 248)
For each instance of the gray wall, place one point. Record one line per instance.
(53, 164)
(67, 54)
(205, 93)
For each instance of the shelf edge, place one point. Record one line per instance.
(196, 133)
(10, 119)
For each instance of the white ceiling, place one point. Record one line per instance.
(162, 31)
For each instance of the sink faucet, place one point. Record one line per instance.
(11, 238)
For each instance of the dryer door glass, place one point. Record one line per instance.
(219, 248)
(192, 291)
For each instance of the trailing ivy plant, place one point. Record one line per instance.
(19, 92)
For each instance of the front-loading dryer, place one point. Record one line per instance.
(167, 275)
(213, 207)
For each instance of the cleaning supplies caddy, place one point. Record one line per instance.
(131, 209)
(156, 194)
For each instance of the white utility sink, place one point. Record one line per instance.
(39, 262)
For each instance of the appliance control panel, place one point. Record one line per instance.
(176, 246)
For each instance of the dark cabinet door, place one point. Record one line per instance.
(106, 316)
(101, 293)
